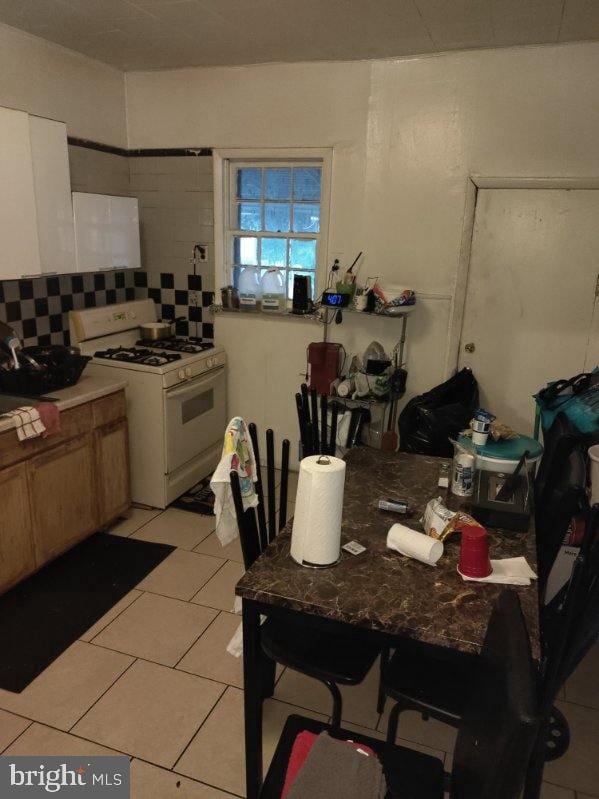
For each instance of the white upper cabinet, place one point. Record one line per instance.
(19, 249)
(92, 231)
(52, 185)
(124, 221)
(106, 232)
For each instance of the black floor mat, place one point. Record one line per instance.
(198, 499)
(47, 612)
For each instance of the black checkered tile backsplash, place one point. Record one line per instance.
(38, 308)
(177, 297)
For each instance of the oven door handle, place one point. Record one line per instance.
(192, 385)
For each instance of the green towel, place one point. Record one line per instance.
(334, 770)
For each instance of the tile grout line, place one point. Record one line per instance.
(197, 639)
(137, 529)
(16, 738)
(114, 682)
(186, 777)
(220, 568)
(115, 618)
(156, 663)
(206, 717)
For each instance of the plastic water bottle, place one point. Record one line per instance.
(249, 290)
(272, 287)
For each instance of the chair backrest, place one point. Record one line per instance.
(314, 434)
(501, 720)
(570, 627)
(560, 494)
(558, 441)
(258, 526)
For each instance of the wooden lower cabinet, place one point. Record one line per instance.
(16, 541)
(64, 504)
(113, 487)
(59, 492)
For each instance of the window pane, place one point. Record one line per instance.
(249, 183)
(249, 216)
(306, 218)
(245, 250)
(276, 217)
(273, 252)
(306, 183)
(290, 275)
(302, 253)
(278, 184)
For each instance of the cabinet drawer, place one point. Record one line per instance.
(109, 409)
(73, 422)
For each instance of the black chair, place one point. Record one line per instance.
(331, 658)
(494, 740)
(314, 435)
(570, 627)
(312, 414)
(560, 492)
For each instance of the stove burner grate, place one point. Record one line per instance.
(133, 355)
(189, 345)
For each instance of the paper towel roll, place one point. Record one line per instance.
(414, 544)
(316, 534)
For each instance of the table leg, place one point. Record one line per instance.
(269, 670)
(253, 687)
(534, 774)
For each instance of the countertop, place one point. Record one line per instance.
(89, 387)
(381, 589)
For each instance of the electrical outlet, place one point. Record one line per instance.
(202, 252)
(194, 298)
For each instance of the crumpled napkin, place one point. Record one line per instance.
(508, 571)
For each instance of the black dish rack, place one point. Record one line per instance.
(60, 368)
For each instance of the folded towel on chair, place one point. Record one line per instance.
(238, 456)
(338, 770)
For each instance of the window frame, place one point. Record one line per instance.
(225, 202)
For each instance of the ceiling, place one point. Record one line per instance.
(160, 34)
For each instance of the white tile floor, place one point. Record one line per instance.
(152, 680)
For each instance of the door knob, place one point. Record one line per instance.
(469, 347)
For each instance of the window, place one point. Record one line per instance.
(275, 215)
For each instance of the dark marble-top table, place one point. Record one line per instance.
(381, 589)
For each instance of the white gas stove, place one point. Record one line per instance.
(176, 397)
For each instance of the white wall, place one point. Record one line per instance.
(405, 135)
(51, 81)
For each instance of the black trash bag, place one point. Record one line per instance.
(428, 421)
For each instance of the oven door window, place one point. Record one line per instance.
(196, 406)
(195, 415)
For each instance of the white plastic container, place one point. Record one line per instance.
(272, 287)
(249, 290)
(594, 459)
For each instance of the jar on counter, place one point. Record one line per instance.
(230, 297)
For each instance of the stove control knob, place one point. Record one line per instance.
(188, 371)
(181, 374)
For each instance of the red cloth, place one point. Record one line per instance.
(300, 751)
(50, 418)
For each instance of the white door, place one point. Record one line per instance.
(528, 316)
(54, 206)
(19, 250)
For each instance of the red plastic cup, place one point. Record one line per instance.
(474, 552)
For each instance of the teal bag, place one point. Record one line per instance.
(577, 398)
